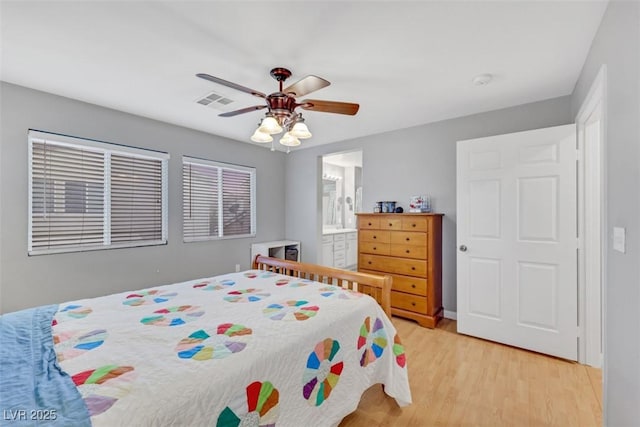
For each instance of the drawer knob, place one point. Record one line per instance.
(413, 268)
(408, 251)
(413, 285)
(390, 225)
(408, 239)
(413, 303)
(375, 248)
(375, 237)
(369, 223)
(369, 262)
(413, 225)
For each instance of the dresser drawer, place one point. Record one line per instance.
(405, 266)
(375, 236)
(408, 302)
(327, 238)
(389, 222)
(338, 237)
(352, 236)
(414, 223)
(408, 251)
(375, 248)
(408, 284)
(408, 238)
(339, 245)
(366, 223)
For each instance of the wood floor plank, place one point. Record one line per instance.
(457, 380)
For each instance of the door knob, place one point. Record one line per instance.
(463, 248)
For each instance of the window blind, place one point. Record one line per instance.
(86, 195)
(136, 199)
(218, 200)
(67, 197)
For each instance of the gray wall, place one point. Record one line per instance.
(617, 44)
(29, 281)
(399, 164)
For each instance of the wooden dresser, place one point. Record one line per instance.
(407, 246)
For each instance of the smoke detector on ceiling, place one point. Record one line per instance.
(482, 79)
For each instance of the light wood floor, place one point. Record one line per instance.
(457, 380)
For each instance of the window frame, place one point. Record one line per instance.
(220, 166)
(106, 149)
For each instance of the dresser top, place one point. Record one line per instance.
(401, 214)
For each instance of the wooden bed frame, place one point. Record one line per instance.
(376, 286)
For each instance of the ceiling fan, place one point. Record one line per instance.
(282, 106)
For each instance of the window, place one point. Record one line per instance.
(87, 195)
(218, 200)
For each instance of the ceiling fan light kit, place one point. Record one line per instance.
(289, 140)
(270, 125)
(261, 137)
(281, 105)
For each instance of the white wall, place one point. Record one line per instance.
(406, 162)
(30, 281)
(617, 44)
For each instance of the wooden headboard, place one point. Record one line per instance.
(377, 286)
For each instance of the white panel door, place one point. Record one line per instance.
(516, 235)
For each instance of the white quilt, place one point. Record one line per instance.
(249, 348)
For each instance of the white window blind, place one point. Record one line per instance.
(218, 200)
(86, 195)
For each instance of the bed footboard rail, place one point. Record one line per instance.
(376, 286)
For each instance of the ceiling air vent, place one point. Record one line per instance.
(215, 100)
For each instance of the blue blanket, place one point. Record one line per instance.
(33, 388)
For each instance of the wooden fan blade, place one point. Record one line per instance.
(242, 111)
(231, 85)
(306, 85)
(330, 106)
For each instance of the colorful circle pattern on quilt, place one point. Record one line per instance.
(246, 295)
(148, 297)
(267, 274)
(214, 285)
(173, 316)
(70, 344)
(259, 408)
(70, 312)
(282, 282)
(102, 387)
(300, 283)
(322, 373)
(290, 310)
(338, 292)
(398, 352)
(372, 341)
(227, 339)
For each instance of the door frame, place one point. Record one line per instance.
(592, 214)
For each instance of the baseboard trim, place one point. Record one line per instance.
(450, 315)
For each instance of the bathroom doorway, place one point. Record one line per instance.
(341, 200)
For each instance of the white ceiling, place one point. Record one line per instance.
(405, 63)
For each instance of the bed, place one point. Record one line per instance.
(284, 343)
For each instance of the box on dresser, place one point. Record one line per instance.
(408, 247)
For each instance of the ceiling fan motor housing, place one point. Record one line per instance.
(282, 106)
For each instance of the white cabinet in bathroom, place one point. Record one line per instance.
(340, 249)
(351, 249)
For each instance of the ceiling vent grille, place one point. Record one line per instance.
(215, 100)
